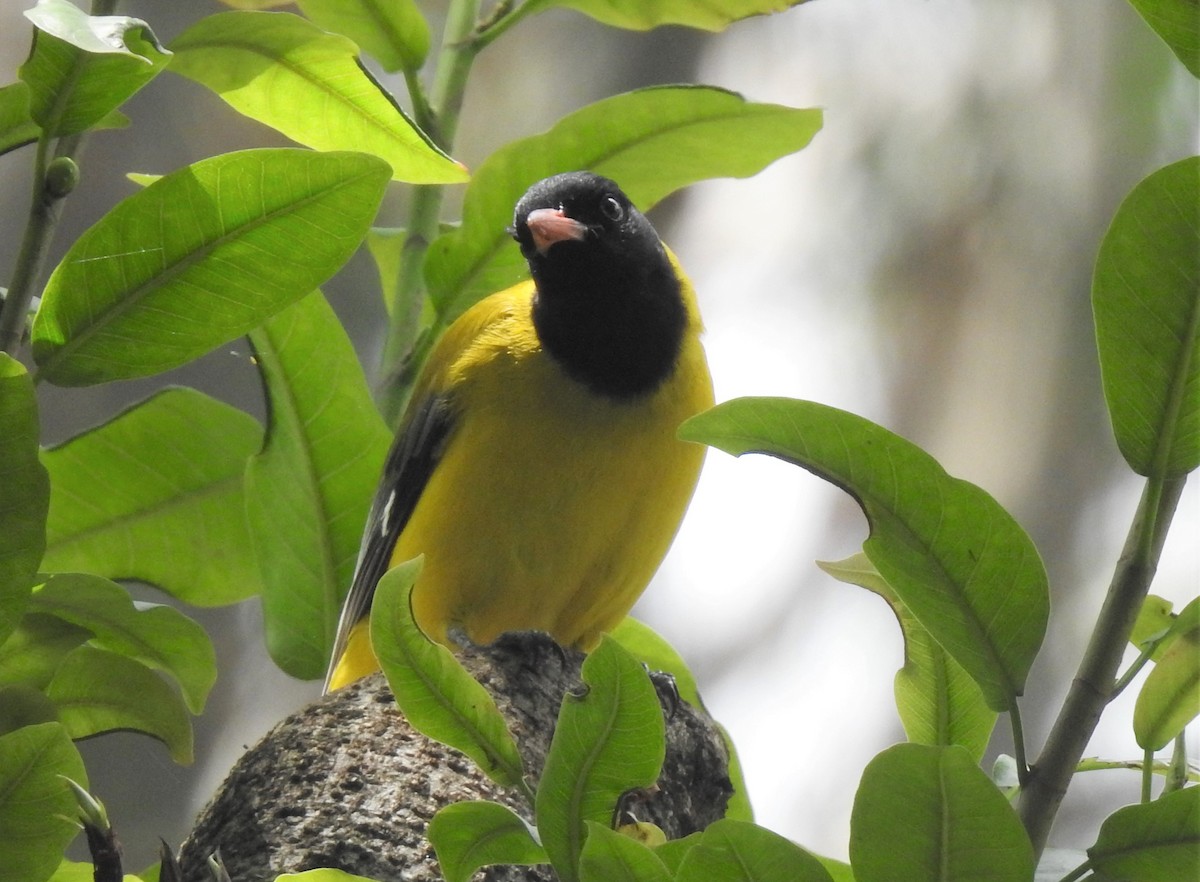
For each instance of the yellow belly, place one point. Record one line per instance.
(551, 511)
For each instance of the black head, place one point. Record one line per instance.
(608, 305)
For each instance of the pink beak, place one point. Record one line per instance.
(550, 225)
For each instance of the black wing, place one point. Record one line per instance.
(414, 455)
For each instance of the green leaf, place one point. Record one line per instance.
(157, 636)
(199, 257)
(100, 691)
(673, 851)
(608, 740)
(928, 814)
(78, 871)
(741, 852)
(322, 875)
(267, 64)
(642, 15)
(308, 491)
(1170, 697)
(652, 142)
(959, 562)
(393, 31)
(837, 870)
(609, 856)
(17, 127)
(938, 701)
(256, 4)
(652, 650)
(1146, 300)
(1175, 22)
(386, 247)
(26, 494)
(84, 67)
(22, 706)
(156, 495)
(1153, 622)
(434, 691)
(35, 649)
(37, 808)
(1156, 841)
(468, 836)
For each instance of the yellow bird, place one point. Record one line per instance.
(537, 467)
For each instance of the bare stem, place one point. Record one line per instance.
(441, 114)
(1095, 680)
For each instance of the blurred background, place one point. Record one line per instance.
(926, 263)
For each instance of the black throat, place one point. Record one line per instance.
(614, 326)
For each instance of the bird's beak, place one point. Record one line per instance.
(551, 225)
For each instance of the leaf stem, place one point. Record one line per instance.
(1078, 873)
(1094, 682)
(39, 229)
(505, 14)
(1185, 772)
(44, 210)
(1147, 775)
(439, 116)
(1177, 771)
(1138, 663)
(1018, 736)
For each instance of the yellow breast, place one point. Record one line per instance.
(551, 507)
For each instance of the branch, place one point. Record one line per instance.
(346, 783)
(1095, 681)
(441, 114)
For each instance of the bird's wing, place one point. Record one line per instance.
(410, 462)
(415, 453)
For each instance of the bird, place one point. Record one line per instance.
(537, 467)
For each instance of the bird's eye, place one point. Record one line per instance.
(611, 208)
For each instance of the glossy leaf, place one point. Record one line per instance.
(649, 647)
(393, 31)
(37, 809)
(84, 67)
(156, 495)
(159, 637)
(609, 856)
(938, 701)
(268, 64)
(642, 15)
(740, 852)
(24, 500)
(468, 836)
(322, 875)
(1175, 22)
(1170, 697)
(959, 562)
(922, 813)
(1156, 841)
(1146, 300)
(609, 739)
(17, 127)
(199, 257)
(652, 142)
(434, 691)
(308, 491)
(100, 691)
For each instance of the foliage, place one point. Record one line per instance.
(237, 244)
